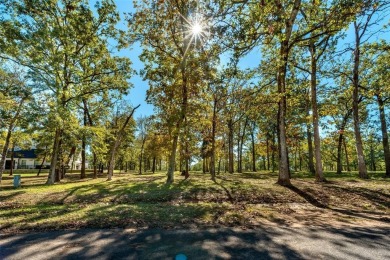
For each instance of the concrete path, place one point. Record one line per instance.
(222, 243)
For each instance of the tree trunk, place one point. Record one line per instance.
(94, 166)
(219, 166)
(356, 120)
(372, 158)
(140, 160)
(91, 124)
(172, 159)
(241, 145)
(183, 110)
(154, 164)
(267, 136)
(385, 137)
(346, 155)
(284, 171)
(43, 161)
(253, 149)
(11, 170)
(53, 163)
(273, 152)
(296, 157)
(207, 165)
(317, 140)
(230, 144)
(238, 169)
(187, 154)
(213, 130)
(116, 144)
(310, 148)
(83, 144)
(339, 148)
(8, 139)
(111, 162)
(204, 165)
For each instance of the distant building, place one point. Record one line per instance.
(25, 159)
(28, 159)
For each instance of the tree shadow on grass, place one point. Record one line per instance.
(228, 193)
(308, 197)
(4, 197)
(372, 196)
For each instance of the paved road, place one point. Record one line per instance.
(223, 243)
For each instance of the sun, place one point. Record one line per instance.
(196, 28)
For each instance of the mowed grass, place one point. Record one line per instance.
(248, 199)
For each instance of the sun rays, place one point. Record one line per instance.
(195, 31)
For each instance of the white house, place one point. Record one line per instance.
(28, 159)
(25, 159)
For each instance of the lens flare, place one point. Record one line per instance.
(196, 28)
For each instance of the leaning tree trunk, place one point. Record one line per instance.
(8, 139)
(11, 170)
(111, 162)
(91, 124)
(385, 137)
(83, 144)
(117, 142)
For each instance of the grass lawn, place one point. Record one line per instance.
(247, 200)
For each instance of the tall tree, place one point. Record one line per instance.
(15, 94)
(143, 126)
(177, 78)
(365, 20)
(377, 78)
(57, 40)
(120, 125)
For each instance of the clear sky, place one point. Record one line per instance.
(138, 92)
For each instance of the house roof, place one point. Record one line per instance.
(23, 154)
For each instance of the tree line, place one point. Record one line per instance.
(317, 101)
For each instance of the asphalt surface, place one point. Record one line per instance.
(213, 243)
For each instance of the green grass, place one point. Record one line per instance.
(133, 200)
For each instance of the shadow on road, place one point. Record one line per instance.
(212, 243)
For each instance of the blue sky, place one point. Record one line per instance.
(138, 92)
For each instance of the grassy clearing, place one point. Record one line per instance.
(248, 199)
